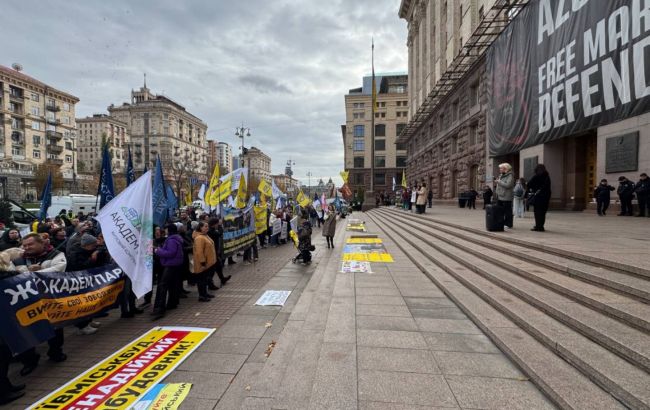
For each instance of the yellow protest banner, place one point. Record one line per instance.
(368, 257)
(170, 396)
(240, 201)
(363, 240)
(126, 376)
(212, 187)
(260, 220)
(302, 199)
(265, 189)
(222, 192)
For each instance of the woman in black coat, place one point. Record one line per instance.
(539, 188)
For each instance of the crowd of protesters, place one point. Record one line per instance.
(188, 252)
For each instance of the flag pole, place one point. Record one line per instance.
(372, 122)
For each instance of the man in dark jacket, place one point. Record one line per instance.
(171, 258)
(217, 237)
(642, 191)
(625, 193)
(487, 196)
(601, 193)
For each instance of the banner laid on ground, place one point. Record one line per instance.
(356, 239)
(563, 67)
(355, 267)
(355, 225)
(123, 378)
(164, 397)
(127, 225)
(368, 252)
(34, 303)
(238, 229)
(273, 298)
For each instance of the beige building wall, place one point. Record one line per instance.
(437, 32)
(392, 113)
(91, 132)
(158, 125)
(259, 164)
(37, 126)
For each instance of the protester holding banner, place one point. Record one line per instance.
(205, 260)
(171, 258)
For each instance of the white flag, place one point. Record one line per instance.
(205, 206)
(236, 176)
(275, 190)
(127, 226)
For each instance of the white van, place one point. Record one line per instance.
(75, 202)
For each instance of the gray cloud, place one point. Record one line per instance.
(263, 84)
(282, 67)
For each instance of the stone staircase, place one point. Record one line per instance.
(578, 326)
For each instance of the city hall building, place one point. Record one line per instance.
(562, 84)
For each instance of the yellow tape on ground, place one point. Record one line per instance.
(364, 240)
(368, 257)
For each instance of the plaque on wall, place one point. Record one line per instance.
(529, 167)
(622, 153)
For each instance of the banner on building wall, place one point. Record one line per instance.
(238, 229)
(35, 303)
(562, 67)
(126, 376)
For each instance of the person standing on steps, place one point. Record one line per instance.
(625, 193)
(329, 226)
(642, 191)
(414, 196)
(602, 196)
(430, 198)
(504, 191)
(487, 196)
(471, 199)
(421, 202)
(540, 188)
(519, 193)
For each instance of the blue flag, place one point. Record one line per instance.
(159, 196)
(106, 190)
(172, 201)
(130, 172)
(46, 197)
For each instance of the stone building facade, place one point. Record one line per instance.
(37, 127)
(159, 126)
(258, 163)
(390, 117)
(95, 130)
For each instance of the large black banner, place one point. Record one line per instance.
(238, 230)
(33, 304)
(565, 66)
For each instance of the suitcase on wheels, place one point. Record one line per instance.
(494, 218)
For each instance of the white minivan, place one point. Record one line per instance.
(75, 202)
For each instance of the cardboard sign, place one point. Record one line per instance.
(164, 397)
(273, 298)
(123, 378)
(355, 267)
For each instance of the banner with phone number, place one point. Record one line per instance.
(35, 303)
(125, 377)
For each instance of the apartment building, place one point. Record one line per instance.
(224, 156)
(37, 127)
(95, 130)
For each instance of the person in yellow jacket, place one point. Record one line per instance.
(205, 260)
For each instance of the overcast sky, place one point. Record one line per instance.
(282, 67)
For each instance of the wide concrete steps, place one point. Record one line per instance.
(576, 326)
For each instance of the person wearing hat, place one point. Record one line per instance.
(642, 191)
(601, 193)
(625, 193)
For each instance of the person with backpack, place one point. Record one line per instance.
(519, 197)
(601, 194)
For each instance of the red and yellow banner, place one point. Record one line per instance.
(123, 378)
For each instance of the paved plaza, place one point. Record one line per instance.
(390, 339)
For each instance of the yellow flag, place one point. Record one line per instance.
(241, 193)
(403, 179)
(303, 201)
(265, 188)
(345, 175)
(214, 182)
(222, 192)
(260, 219)
(188, 196)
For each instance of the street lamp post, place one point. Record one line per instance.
(242, 132)
(309, 175)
